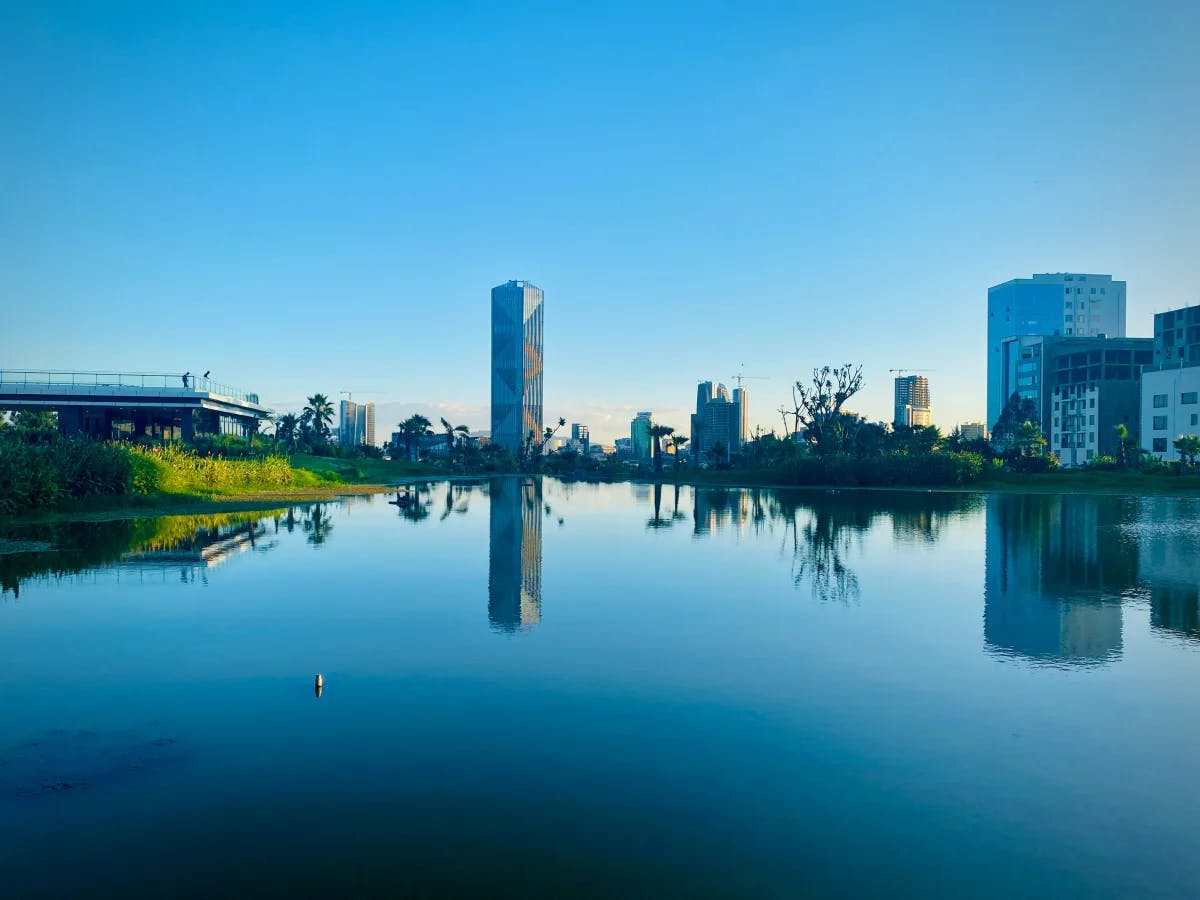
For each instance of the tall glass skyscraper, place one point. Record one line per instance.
(516, 363)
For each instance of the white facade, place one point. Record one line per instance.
(1073, 429)
(1170, 408)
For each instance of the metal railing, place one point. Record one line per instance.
(181, 383)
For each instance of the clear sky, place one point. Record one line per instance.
(306, 197)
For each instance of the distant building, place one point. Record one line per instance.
(1171, 387)
(356, 424)
(974, 431)
(516, 363)
(1062, 304)
(623, 447)
(582, 435)
(912, 402)
(719, 420)
(639, 436)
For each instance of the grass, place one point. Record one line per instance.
(363, 471)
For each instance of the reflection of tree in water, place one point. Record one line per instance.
(823, 528)
(414, 501)
(821, 544)
(457, 500)
(657, 520)
(317, 523)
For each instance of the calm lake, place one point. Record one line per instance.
(533, 688)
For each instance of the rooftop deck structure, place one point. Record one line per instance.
(133, 404)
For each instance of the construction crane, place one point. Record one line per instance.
(739, 378)
(901, 372)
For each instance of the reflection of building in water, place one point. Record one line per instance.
(188, 544)
(1168, 536)
(205, 548)
(515, 554)
(1056, 570)
(715, 508)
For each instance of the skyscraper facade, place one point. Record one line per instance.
(1060, 304)
(720, 421)
(912, 402)
(356, 424)
(516, 363)
(639, 436)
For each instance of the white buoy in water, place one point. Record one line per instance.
(319, 684)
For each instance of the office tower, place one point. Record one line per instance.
(1082, 388)
(912, 402)
(516, 364)
(1171, 386)
(974, 431)
(719, 420)
(1062, 304)
(581, 435)
(639, 435)
(515, 553)
(356, 423)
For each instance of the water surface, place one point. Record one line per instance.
(599, 690)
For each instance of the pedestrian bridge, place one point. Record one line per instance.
(132, 404)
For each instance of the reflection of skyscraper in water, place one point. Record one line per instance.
(1056, 569)
(714, 508)
(515, 554)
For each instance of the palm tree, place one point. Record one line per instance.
(455, 434)
(287, 427)
(1188, 446)
(678, 442)
(318, 415)
(1029, 441)
(1127, 446)
(412, 430)
(657, 433)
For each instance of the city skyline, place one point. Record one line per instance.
(277, 179)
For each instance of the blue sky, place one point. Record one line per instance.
(320, 197)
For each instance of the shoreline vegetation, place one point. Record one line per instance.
(189, 487)
(45, 476)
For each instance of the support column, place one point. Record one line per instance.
(187, 426)
(70, 420)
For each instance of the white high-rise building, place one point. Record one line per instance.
(356, 424)
(1062, 304)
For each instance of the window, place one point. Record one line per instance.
(1056, 406)
(1093, 403)
(1092, 437)
(1195, 419)
(1102, 290)
(1160, 401)
(1068, 304)
(1160, 423)
(1093, 290)
(1188, 398)
(1091, 453)
(1055, 421)
(1079, 290)
(1091, 420)
(1070, 318)
(1160, 445)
